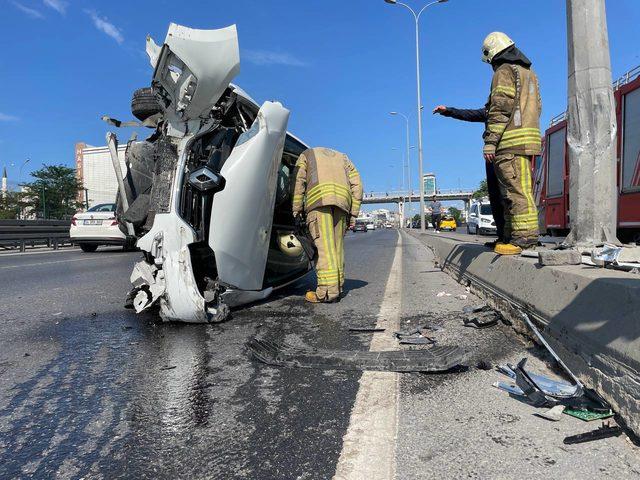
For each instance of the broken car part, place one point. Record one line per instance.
(509, 388)
(436, 359)
(112, 144)
(366, 329)
(605, 431)
(482, 319)
(587, 415)
(554, 413)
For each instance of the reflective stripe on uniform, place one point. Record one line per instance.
(508, 91)
(520, 136)
(519, 132)
(328, 188)
(353, 173)
(496, 128)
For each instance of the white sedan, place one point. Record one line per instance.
(97, 226)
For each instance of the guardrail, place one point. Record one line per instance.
(19, 233)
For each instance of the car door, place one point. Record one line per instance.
(242, 213)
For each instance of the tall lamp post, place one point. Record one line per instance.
(416, 17)
(406, 119)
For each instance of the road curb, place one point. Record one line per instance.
(591, 315)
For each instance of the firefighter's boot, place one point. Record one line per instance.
(311, 297)
(507, 249)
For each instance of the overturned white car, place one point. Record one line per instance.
(208, 194)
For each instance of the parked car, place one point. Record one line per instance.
(448, 223)
(209, 191)
(481, 219)
(360, 227)
(371, 226)
(97, 226)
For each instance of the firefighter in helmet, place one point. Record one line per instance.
(511, 138)
(328, 189)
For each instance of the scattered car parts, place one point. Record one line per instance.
(435, 359)
(604, 431)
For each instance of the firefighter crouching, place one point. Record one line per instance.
(328, 189)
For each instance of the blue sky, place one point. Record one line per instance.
(339, 65)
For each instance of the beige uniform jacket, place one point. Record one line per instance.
(325, 177)
(513, 112)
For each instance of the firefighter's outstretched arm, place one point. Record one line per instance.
(355, 185)
(464, 114)
(501, 107)
(299, 185)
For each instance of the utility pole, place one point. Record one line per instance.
(591, 132)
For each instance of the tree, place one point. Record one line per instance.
(53, 193)
(456, 213)
(482, 191)
(10, 204)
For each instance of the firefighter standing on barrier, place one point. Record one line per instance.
(511, 139)
(328, 190)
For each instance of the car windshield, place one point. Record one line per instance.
(485, 209)
(103, 207)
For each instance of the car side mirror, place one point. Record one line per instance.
(206, 180)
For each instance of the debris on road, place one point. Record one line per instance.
(618, 258)
(366, 329)
(168, 367)
(439, 358)
(587, 415)
(419, 340)
(605, 431)
(443, 294)
(559, 257)
(416, 336)
(554, 413)
(481, 318)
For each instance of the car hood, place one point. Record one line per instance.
(193, 68)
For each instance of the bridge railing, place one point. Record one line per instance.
(415, 194)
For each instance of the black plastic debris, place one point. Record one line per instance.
(438, 358)
(417, 336)
(605, 431)
(366, 329)
(482, 318)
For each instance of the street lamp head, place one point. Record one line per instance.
(392, 2)
(393, 113)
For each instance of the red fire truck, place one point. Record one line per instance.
(551, 171)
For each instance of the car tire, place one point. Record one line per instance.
(88, 247)
(144, 104)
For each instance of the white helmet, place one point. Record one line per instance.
(289, 244)
(495, 43)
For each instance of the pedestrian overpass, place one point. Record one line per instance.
(404, 197)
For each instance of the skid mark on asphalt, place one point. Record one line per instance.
(369, 443)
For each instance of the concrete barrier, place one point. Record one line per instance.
(591, 316)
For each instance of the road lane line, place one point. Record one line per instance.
(8, 253)
(369, 445)
(84, 259)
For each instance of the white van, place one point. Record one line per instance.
(481, 220)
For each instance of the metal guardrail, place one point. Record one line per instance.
(20, 233)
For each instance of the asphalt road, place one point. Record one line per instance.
(90, 390)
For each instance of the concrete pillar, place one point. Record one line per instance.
(401, 213)
(591, 132)
(467, 206)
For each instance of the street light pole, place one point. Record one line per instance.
(406, 119)
(416, 17)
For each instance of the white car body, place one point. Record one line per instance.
(481, 221)
(97, 226)
(371, 226)
(193, 69)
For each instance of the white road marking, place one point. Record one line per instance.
(83, 259)
(369, 445)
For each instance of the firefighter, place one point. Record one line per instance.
(328, 190)
(511, 138)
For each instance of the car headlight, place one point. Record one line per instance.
(484, 220)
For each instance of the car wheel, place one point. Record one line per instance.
(144, 104)
(88, 247)
(453, 229)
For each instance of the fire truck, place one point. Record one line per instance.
(551, 170)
